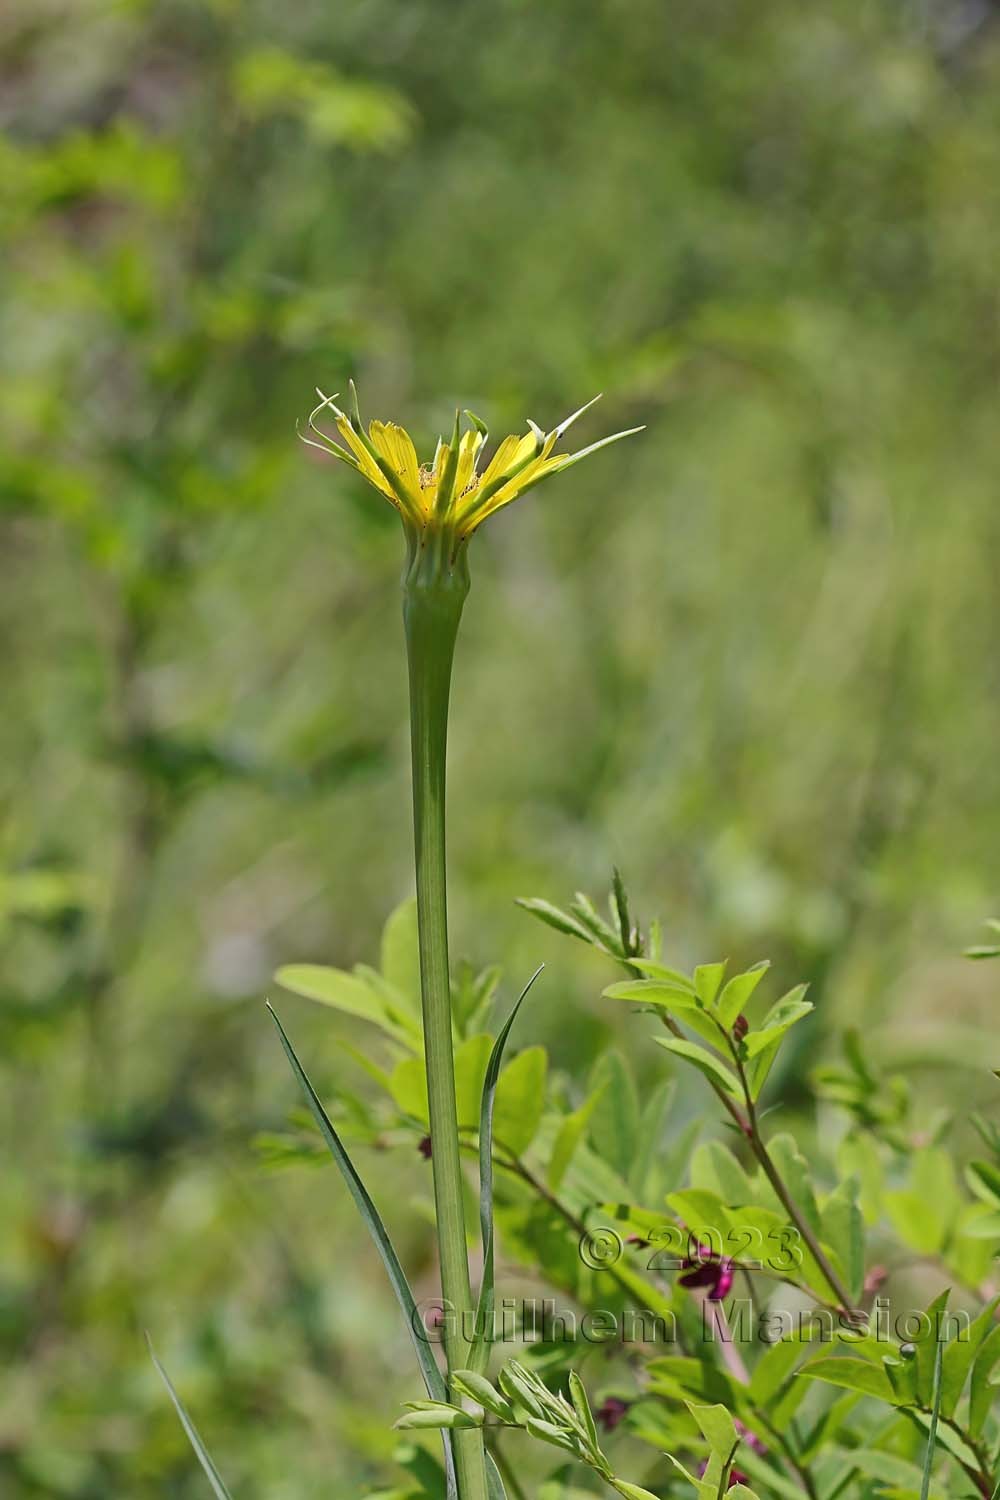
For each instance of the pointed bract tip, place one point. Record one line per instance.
(478, 424)
(568, 422)
(355, 408)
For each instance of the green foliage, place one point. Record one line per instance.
(211, 1472)
(758, 665)
(520, 1399)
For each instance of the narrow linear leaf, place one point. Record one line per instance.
(433, 1379)
(494, 1484)
(927, 1343)
(925, 1486)
(484, 1311)
(201, 1452)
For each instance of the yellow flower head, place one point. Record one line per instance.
(451, 493)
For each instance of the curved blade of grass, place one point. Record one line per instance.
(479, 1354)
(201, 1452)
(433, 1379)
(925, 1487)
(494, 1484)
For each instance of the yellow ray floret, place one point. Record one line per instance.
(450, 491)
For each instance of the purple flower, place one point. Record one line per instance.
(709, 1273)
(610, 1413)
(750, 1438)
(736, 1476)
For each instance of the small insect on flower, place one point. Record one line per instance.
(450, 493)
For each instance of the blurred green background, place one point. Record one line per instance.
(750, 656)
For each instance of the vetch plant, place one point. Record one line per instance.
(735, 1297)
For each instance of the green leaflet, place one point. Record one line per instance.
(664, 994)
(653, 969)
(775, 1369)
(399, 957)
(435, 1415)
(553, 916)
(614, 1120)
(201, 1452)
(794, 1169)
(853, 1375)
(780, 1018)
(736, 995)
(761, 1046)
(842, 1228)
(707, 979)
(959, 1356)
(717, 1428)
(345, 992)
(983, 1178)
(390, 999)
(714, 1069)
(715, 1168)
(904, 1476)
(652, 1171)
(581, 1406)
(471, 1383)
(981, 1392)
(520, 1100)
(571, 1132)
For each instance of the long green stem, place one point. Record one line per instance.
(434, 594)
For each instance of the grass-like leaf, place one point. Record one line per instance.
(433, 1379)
(201, 1452)
(480, 1353)
(925, 1487)
(494, 1484)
